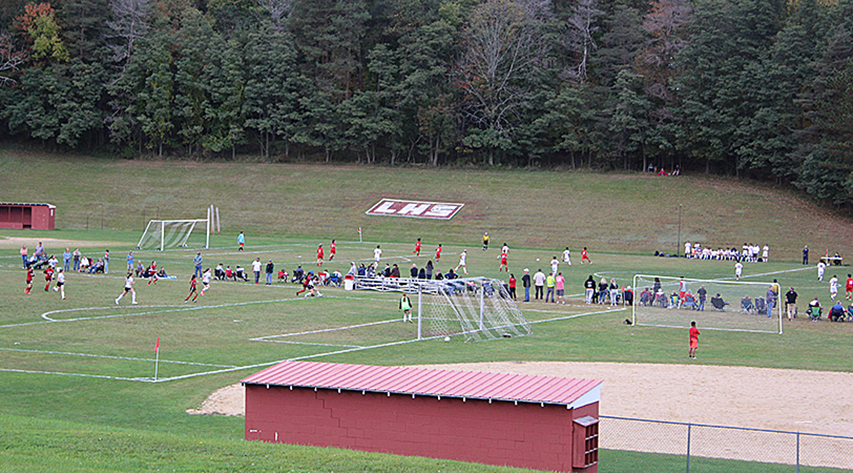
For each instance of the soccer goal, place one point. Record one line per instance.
(162, 234)
(729, 305)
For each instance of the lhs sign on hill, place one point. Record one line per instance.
(414, 209)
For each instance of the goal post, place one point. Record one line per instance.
(162, 234)
(479, 308)
(739, 306)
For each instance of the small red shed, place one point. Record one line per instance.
(34, 216)
(538, 422)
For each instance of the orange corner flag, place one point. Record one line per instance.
(157, 346)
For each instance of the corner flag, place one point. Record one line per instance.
(157, 346)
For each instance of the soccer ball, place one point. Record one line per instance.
(537, 259)
(446, 339)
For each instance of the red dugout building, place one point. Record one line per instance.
(538, 422)
(21, 216)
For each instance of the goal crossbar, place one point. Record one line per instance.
(741, 307)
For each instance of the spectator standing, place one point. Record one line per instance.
(107, 262)
(702, 293)
(589, 288)
(24, 256)
(76, 256)
(66, 260)
(512, 283)
(270, 268)
(539, 283)
(806, 255)
(130, 260)
(614, 292)
(770, 299)
(560, 287)
(525, 283)
(39, 251)
(791, 304)
(550, 284)
(413, 273)
(197, 261)
(429, 269)
(256, 268)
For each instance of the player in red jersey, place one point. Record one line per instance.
(849, 287)
(319, 255)
(694, 341)
(438, 253)
(48, 276)
(332, 250)
(152, 273)
(417, 250)
(504, 265)
(193, 291)
(585, 256)
(29, 280)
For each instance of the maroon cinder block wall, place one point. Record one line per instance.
(499, 433)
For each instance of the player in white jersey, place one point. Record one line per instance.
(462, 257)
(567, 256)
(555, 264)
(377, 254)
(60, 283)
(833, 287)
(738, 270)
(128, 287)
(821, 268)
(205, 281)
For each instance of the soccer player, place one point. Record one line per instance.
(333, 248)
(406, 307)
(821, 268)
(504, 265)
(849, 287)
(555, 264)
(462, 257)
(417, 250)
(60, 283)
(152, 273)
(306, 283)
(48, 277)
(241, 240)
(205, 281)
(682, 290)
(29, 280)
(833, 287)
(694, 341)
(485, 241)
(567, 256)
(505, 249)
(438, 253)
(128, 287)
(585, 256)
(738, 270)
(377, 254)
(320, 255)
(193, 292)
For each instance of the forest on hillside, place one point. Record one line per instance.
(754, 88)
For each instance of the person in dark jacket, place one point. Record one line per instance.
(414, 271)
(429, 269)
(589, 289)
(525, 283)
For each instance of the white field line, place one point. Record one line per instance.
(311, 344)
(111, 357)
(575, 316)
(82, 375)
(309, 332)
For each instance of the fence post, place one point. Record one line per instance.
(798, 451)
(688, 447)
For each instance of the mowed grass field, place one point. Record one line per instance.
(77, 390)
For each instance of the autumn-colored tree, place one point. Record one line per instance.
(41, 28)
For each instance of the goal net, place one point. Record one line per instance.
(162, 234)
(728, 305)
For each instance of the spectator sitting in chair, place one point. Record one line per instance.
(718, 302)
(836, 313)
(140, 270)
(219, 272)
(97, 267)
(814, 310)
(229, 273)
(162, 272)
(282, 275)
(298, 274)
(451, 274)
(240, 273)
(335, 278)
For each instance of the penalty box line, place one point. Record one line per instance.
(113, 357)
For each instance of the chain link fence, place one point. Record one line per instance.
(653, 445)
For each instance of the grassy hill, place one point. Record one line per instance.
(633, 213)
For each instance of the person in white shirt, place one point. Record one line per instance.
(833, 287)
(60, 283)
(128, 287)
(765, 253)
(687, 247)
(738, 270)
(821, 268)
(555, 264)
(539, 283)
(377, 254)
(462, 257)
(567, 256)
(256, 268)
(205, 281)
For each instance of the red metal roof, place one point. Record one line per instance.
(27, 204)
(427, 382)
